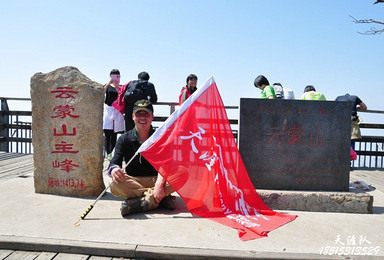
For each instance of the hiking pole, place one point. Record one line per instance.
(76, 224)
(93, 204)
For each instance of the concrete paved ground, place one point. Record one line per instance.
(30, 221)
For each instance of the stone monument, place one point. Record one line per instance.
(296, 144)
(67, 137)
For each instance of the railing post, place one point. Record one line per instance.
(4, 131)
(173, 108)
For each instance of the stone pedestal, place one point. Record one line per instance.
(345, 202)
(67, 137)
(295, 144)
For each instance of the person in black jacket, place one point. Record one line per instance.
(357, 105)
(137, 90)
(139, 183)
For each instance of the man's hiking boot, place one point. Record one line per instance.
(168, 202)
(135, 205)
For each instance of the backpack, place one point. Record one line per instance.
(136, 90)
(278, 91)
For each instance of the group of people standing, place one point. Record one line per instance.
(278, 91)
(120, 100)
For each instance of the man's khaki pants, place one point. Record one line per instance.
(134, 187)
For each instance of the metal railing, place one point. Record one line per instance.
(16, 133)
(370, 148)
(16, 126)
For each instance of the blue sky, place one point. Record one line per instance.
(297, 43)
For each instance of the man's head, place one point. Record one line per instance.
(309, 88)
(115, 76)
(192, 80)
(143, 75)
(261, 82)
(142, 114)
(277, 84)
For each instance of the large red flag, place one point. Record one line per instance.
(195, 151)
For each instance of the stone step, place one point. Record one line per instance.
(321, 201)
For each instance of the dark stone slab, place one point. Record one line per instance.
(295, 144)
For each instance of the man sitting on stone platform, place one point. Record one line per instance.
(139, 183)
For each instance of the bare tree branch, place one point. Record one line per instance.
(372, 30)
(378, 1)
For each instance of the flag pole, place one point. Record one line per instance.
(98, 198)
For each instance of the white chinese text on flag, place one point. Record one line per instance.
(195, 151)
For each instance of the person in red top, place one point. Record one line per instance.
(188, 89)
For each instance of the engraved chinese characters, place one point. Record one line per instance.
(295, 144)
(67, 112)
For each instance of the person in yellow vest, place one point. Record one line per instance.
(311, 94)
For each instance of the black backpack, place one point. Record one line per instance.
(136, 90)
